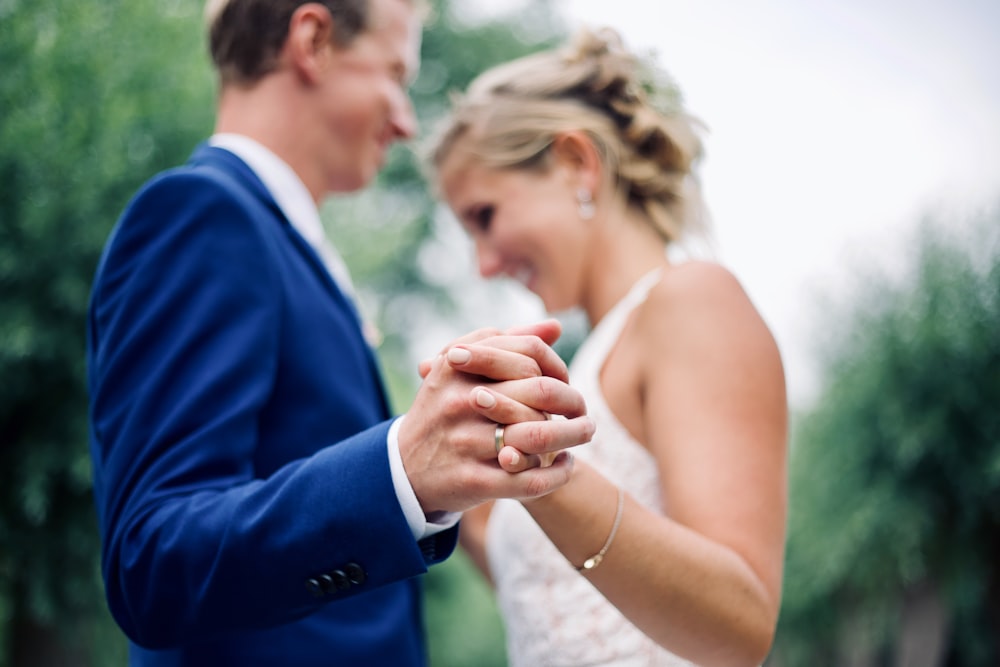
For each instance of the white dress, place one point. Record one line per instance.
(553, 616)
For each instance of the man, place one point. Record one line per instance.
(258, 506)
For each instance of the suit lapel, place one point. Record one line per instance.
(231, 166)
(237, 170)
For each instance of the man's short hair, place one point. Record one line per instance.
(245, 37)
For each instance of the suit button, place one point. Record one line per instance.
(314, 587)
(340, 580)
(327, 583)
(355, 573)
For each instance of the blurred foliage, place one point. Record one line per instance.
(895, 473)
(96, 96)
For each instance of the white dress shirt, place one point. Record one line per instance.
(294, 200)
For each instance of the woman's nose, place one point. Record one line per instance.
(489, 260)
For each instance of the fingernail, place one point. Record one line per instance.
(484, 399)
(458, 355)
(515, 457)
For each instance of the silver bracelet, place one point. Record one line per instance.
(596, 559)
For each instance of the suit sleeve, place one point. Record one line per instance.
(185, 319)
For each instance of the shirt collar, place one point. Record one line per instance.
(292, 197)
(281, 181)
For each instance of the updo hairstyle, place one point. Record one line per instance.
(512, 113)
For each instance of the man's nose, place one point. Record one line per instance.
(404, 120)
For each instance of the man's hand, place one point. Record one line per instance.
(484, 379)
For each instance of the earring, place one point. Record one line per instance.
(586, 202)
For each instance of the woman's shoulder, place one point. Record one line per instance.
(695, 284)
(698, 299)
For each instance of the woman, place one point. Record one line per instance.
(571, 170)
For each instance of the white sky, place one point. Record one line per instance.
(834, 127)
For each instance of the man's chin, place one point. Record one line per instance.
(346, 184)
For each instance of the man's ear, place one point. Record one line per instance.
(309, 45)
(576, 152)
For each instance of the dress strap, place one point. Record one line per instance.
(640, 290)
(606, 333)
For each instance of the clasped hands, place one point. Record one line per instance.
(512, 378)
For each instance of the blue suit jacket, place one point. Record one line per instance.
(238, 428)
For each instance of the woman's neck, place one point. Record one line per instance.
(625, 249)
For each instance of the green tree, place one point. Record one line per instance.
(894, 528)
(96, 96)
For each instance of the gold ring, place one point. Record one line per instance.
(498, 437)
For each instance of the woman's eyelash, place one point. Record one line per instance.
(482, 217)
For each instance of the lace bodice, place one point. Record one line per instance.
(553, 616)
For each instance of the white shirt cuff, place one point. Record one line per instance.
(420, 525)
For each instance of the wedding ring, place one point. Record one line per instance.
(498, 437)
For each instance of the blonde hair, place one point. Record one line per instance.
(511, 114)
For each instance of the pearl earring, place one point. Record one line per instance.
(586, 202)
